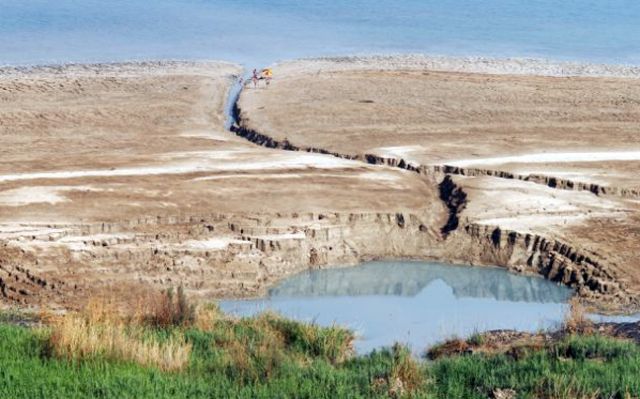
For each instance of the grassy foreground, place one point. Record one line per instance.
(183, 353)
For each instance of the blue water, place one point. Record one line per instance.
(255, 32)
(416, 303)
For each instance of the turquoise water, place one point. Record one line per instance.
(414, 302)
(258, 32)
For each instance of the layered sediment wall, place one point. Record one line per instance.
(211, 255)
(550, 181)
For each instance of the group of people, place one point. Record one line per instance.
(266, 75)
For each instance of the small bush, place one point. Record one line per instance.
(402, 376)
(254, 353)
(257, 349)
(169, 309)
(206, 317)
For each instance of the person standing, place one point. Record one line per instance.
(255, 78)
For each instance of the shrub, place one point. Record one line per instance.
(207, 316)
(255, 352)
(169, 309)
(401, 377)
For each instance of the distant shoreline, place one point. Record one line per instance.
(471, 64)
(485, 65)
(123, 67)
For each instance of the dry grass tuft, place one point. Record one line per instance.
(254, 351)
(576, 320)
(406, 369)
(258, 348)
(100, 331)
(207, 316)
(405, 377)
(334, 344)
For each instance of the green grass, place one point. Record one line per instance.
(270, 357)
(475, 339)
(577, 367)
(233, 360)
(15, 316)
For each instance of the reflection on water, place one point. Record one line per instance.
(414, 302)
(409, 278)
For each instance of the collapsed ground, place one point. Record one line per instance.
(120, 176)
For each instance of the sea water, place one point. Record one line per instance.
(257, 33)
(415, 303)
